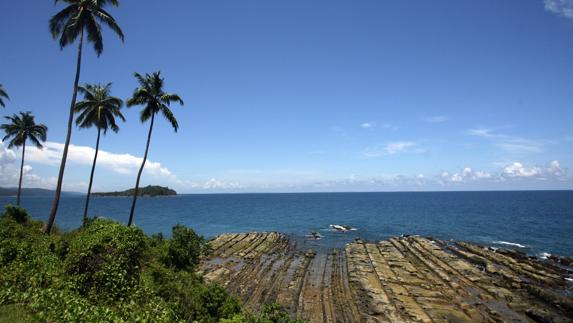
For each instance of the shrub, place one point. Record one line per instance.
(18, 214)
(105, 272)
(104, 259)
(190, 298)
(270, 313)
(184, 248)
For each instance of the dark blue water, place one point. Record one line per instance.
(540, 221)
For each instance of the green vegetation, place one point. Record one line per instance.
(107, 272)
(152, 96)
(20, 129)
(3, 95)
(150, 190)
(77, 18)
(98, 109)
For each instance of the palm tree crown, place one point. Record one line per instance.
(82, 15)
(150, 94)
(3, 94)
(98, 108)
(23, 127)
(19, 130)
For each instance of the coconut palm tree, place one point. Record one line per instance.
(4, 95)
(79, 17)
(151, 95)
(19, 130)
(98, 109)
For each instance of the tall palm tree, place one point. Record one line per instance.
(77, 18)
(4, 95)
(98, 109)
(19, 130)
(150, 94)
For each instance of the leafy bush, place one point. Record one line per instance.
(105, 272)
(270, 313)
(17, 213)
(184, 248)
(104, 259)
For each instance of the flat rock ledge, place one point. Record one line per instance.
(402, 279)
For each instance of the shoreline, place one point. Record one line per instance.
(408, 278)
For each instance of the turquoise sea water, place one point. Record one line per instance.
(533, 221)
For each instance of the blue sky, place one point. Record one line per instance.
(311, 95)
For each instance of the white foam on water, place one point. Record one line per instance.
(514, 244)
(545, 255)
(569, 279)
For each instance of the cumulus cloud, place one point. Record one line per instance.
(508, 172)
(436, 119)
(51, 155)
(467, 174)
(366, 125)
(517, 169)
(508, 142)
(10, 171)
(83, 155)
(560, 7)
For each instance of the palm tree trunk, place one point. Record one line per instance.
(91, 179)
(52, 217)
(21, 173)
(136, 190)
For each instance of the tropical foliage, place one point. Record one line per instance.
(98, 109)
(77, 18)
(18, 131)
(3, 95)
(107, 272)
(151, 95)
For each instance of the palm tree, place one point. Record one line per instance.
(77, 18)
(19, 130)
(3, 94)
(150, 94)
(98, 109)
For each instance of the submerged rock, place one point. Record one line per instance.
(402, 279)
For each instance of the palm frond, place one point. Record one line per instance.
(170, 117)
(93, 31)
(83, 15)
(107, 19)
(99, 108)
(22, 127)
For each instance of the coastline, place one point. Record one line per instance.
(406, 278)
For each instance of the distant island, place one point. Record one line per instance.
(35, 192)
(150, 190)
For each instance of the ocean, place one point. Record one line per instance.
(536, 222)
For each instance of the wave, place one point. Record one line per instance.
(544, 255)
(513, 244)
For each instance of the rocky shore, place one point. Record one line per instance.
(402, 279)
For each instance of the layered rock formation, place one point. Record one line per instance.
(403, 279)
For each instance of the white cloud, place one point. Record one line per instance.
(214, 184)
(466, 175)
(392, 148)
(83, 155)
(398, 147)
(509, 143)
(561, 7)
(369, 125)
(436, 119)
(517, 169)
(555, 170)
